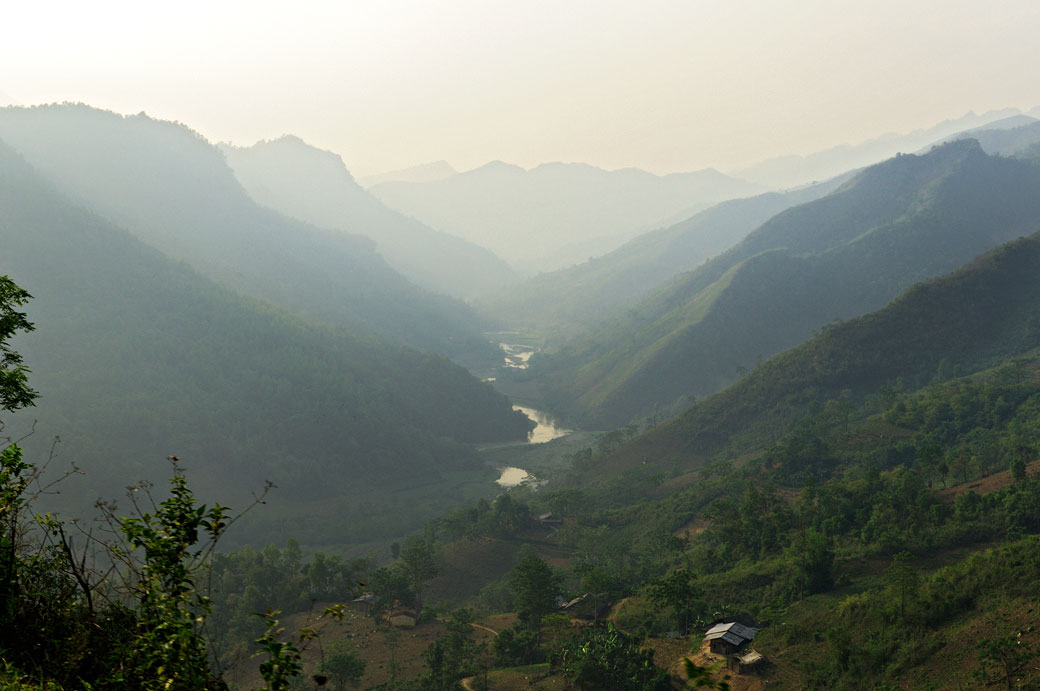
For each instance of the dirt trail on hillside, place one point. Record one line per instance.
(985, 485)
(484, 628)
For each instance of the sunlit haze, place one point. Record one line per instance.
(664, 85)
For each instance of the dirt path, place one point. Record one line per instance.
(483, 628)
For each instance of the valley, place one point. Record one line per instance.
(516, 426)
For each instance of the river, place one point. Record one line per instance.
(545, 427)
(515, 357)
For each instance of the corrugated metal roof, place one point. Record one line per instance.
(733, 632)
(751, 657)
(733, 639)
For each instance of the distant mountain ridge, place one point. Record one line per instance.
(556, 214)
(306, 183)
(794, 170)
(138, 357)
(1013, 137)
(567, 301)
(426, 172)
(171, 188)
(902, 221)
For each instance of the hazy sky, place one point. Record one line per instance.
(664, 85)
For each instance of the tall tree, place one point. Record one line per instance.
(418, 562)
(904, 579)
(677, 592)
(14, 383)
(1002, 658)
(535, 587)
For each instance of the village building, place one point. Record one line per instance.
(729, 638)
(589, 607)
(745, 663)
(403, 618)
(548, 519)
(365, 604)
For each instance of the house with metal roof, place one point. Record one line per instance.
(589, 606)
(729, 638)
(366, 603)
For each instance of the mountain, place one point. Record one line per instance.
(790, 171)
(897, 223)
(138, 357)
(1015, 136)
(556, 214)
(302, 182)
(567, 301)
(964, 322)
(427, 172)
(171, 188)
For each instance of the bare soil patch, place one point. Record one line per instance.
(985, 485)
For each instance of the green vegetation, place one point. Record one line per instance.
(870, 497)
(314, 186)
(972, 319)
(609, 659)
(14, 387)
(565, 302)
(173, 190)
(141, 356)
(902, 221)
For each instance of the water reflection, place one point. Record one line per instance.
(516, 356)
(511, 477)
(545, 427)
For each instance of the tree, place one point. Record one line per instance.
(169, 648)
(816, 562)
(605, 658)
(452, 656)
(516, 645)
(1018, 469)
(391, 585)
(700, 677)
(15, 392)
(904, 579)
(535, 587)
(1001, 658)
(418, 563)
(677, 592)
(343, 665)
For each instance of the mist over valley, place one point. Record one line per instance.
(476, 347)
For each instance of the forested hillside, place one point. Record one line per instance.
(303, 182)
(970, 320)
(171, 188)
(903, 221)
(868, 498)
(1006, 141)
(140, 357)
